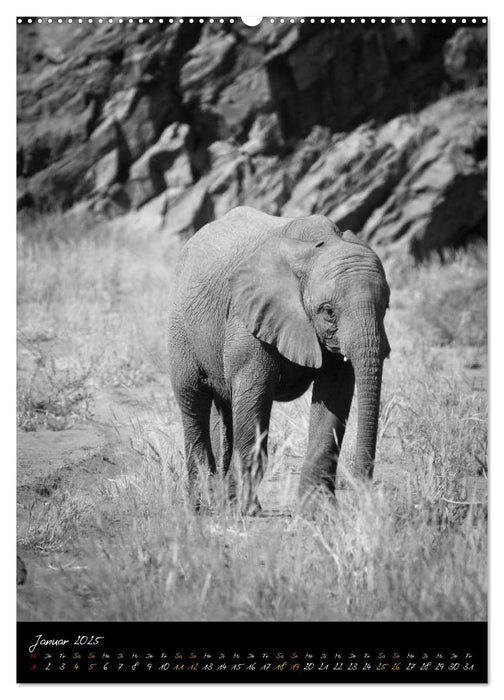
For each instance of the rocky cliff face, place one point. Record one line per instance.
(382, 128)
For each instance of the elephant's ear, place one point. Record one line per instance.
(352, 238)
(266, 296)
(312, 228)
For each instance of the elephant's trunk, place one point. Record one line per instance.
(368, 381)
(367, 360)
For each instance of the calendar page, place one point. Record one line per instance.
(252, 349)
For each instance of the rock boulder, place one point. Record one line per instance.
(381, 128)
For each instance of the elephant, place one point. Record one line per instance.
(263, 307)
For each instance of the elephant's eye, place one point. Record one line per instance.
(327, 310)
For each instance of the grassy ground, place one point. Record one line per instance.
(104, 526)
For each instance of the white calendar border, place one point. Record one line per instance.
(272, 8)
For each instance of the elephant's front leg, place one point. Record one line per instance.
(252, 399)
(332, 397)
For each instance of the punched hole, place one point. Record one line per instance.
(252, 21)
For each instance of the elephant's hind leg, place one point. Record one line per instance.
(196, 423)
(221, 433)
(194, 398)
(195, 406)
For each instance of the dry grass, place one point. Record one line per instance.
(410, 546)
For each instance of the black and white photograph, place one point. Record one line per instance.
(252, 367)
